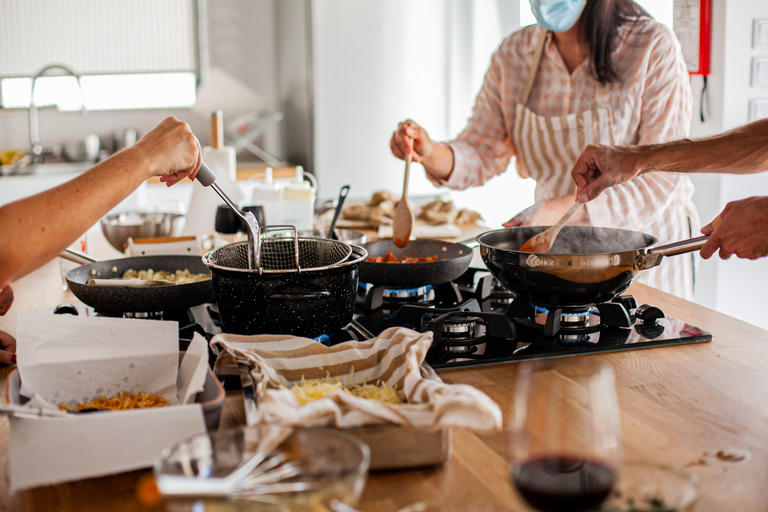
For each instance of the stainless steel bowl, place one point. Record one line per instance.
(118, 227)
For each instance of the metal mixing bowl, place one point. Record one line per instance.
(118, 227)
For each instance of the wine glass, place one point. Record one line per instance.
(566, 440)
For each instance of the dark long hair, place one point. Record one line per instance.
(600, 22)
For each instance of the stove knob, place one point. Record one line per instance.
(65, 309)
(649, 314)
(628, 301)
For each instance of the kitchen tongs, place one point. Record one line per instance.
(206, 177)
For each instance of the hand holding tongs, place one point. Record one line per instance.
(206, 177)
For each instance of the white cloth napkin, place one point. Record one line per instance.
(393, 358)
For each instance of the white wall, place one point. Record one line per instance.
(379, 63)
(733, 286)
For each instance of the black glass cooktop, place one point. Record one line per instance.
(477, 322)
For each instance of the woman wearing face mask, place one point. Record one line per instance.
(594, 71)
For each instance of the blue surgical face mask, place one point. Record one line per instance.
(557, 15)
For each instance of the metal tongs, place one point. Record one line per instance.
(206, 177)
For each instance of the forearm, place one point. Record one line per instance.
(743, 150)
(35, 229)
(439, 164)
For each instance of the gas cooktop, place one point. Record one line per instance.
(475, 321)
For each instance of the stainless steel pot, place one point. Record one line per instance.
(586, 265)
(118, 227)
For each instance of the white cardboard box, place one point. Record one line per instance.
(91, 353)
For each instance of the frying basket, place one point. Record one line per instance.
(294, 254)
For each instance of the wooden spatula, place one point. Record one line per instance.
(403, 221)
(543, 242)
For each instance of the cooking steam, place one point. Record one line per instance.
(591, 240)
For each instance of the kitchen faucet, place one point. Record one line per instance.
(38, 151)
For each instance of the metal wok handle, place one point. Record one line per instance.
(76, 256)
(653, 257)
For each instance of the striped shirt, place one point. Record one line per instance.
(652, 103)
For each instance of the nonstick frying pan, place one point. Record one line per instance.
(586, 265)
(453, 260)
(150, 299)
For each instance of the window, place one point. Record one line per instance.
(129, 54)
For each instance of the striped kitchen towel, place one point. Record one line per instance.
(393, 358)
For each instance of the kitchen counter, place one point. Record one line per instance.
(702, 406)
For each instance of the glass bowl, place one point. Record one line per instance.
(645, 487)
(305, 470)
(453, 506)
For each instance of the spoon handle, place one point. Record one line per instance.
(557, 227)
(408, 159)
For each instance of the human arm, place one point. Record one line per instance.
(743, 150)
(743, 230)
(35, 229)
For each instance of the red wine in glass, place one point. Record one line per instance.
(563, 483)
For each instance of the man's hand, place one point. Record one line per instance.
(743, 230)
(6, 299)
(601, 167)
(7, 348)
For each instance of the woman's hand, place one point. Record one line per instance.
(6, 299)
(743, 230)
(172, 151)
(411, 138)
(548, 213)
(7, 348)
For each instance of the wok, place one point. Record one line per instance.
(586, 265)
(156, 298)
(453, 261)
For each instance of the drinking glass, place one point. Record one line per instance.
(566, 435)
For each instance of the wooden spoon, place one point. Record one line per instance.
(543, 242)
(403, 221)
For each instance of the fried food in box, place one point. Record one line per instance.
(123, 400)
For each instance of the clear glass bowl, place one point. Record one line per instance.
(330, 466)
(645, 487)
(452, 506)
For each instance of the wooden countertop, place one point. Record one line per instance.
(681, 405)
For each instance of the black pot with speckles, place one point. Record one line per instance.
(307, 303)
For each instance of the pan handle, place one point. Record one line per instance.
(653, 257)
(76, 256)
(301, 296)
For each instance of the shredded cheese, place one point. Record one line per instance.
(309, 390)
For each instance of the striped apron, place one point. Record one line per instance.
(547, 149)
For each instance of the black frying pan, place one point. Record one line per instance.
(586, 265)
(453, 260)
(156, 298)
